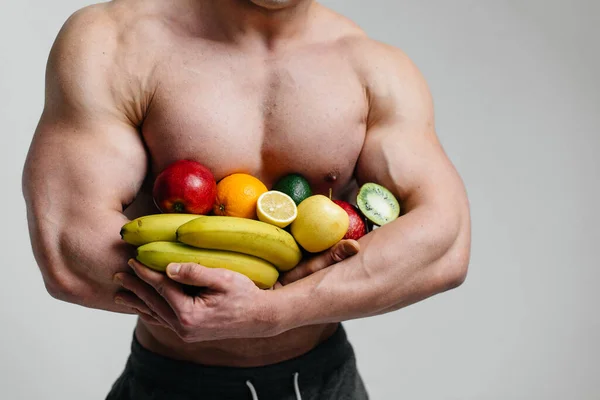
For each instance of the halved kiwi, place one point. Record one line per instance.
(377, 204)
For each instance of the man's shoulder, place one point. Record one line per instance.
(386, 71)
(92, 63)
(113, 34)
(379, 64)
(84, 29)
(81, 54)
(366, 53)
(107, 25)
(370, 53)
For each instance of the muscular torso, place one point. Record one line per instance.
(301, 108)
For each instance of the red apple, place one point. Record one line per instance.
(185, 187)
(357, 227)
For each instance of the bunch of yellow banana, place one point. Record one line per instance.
(253, 248)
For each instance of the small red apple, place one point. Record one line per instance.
(357, 227)
(185, 187)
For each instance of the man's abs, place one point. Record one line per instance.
(234, 352)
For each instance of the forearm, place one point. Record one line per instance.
(79, 254)
(422, 253)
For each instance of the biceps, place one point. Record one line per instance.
(75, 182)
(413, 165)
(78, 169)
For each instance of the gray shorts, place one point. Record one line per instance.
(324, 373)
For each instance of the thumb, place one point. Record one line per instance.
(343, 249)
(199, 276)
(339, 252)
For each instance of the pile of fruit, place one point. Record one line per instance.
(239, 224)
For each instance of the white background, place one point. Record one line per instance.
(517, 99)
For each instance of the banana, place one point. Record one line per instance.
(245, 236)
(154, 228)
(157, 255)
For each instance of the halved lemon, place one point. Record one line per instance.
(276, 208)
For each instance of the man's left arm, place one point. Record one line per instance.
(426, 250)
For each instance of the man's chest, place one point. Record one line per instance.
(304, 114)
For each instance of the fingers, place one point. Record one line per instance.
(197, 275)
(343, 249)
(148, 295)
(339, 252)
(140, 308)
(152, 320)
(169, 290)
(132, 301)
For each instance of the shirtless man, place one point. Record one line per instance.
(266, 87)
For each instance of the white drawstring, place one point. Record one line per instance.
(252, 390)
(296, 388)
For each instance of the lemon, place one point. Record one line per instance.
(276, 208)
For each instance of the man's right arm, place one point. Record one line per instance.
(86, 162)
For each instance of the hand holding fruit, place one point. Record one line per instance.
(342, 250)
(229, 306)
(235, 240)
(232, 257)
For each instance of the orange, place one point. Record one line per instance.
(237, 195)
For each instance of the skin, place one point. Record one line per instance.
(263, 87)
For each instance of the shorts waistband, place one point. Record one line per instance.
(163, 371)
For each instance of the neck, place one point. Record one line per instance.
(242, 20)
